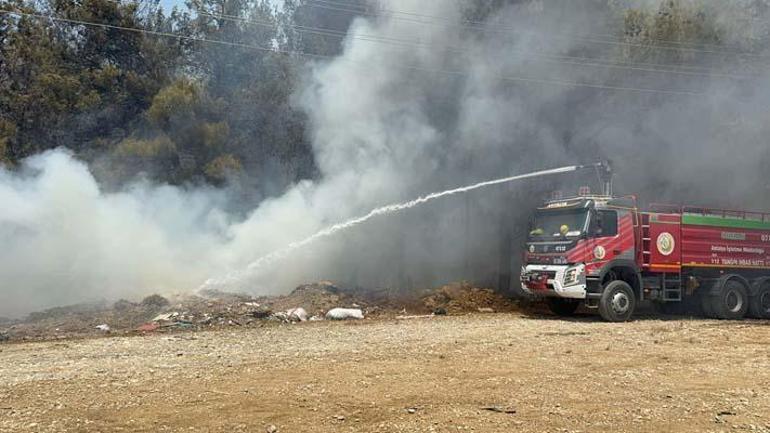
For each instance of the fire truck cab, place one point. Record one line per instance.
(574, 246)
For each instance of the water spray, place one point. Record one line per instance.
(253, 267)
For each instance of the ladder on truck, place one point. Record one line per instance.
(669, 284)
(646, 242)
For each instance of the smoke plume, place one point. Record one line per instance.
(416, 104)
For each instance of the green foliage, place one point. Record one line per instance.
(76, 85)
(183, 110)
(173, 104)
(671, 24)
(214, 135)
(220, 167)
(160, 146)
(7, 133)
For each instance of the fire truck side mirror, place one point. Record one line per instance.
(595, 226)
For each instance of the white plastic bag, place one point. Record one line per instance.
(297, 314)
(345, 313)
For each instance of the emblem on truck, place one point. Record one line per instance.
(665, 243)
(600, 252)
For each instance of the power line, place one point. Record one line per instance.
(486, 24)
(489, 28)
(553, 58)
(565, 83)
(693, 70)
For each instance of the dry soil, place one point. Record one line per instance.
(480, 372)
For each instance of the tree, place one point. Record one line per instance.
(81, 86)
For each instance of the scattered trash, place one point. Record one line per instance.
(103, 327)
(339, 418)
(217, 309)
(183, 324)
(411, 410)
(297, 314)
(271, 429)
(261, 313)
(292, 315)
(165, 317)
(148, 327)
(344, 313)
(486, 310)
(498, 409)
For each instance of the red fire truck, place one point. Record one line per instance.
(606, 253)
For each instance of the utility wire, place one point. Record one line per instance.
(693, 70)
(487, 24)
(490, 28)
(585, 36)
(565, 83)
(552, 58)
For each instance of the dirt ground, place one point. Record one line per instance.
(478, 372)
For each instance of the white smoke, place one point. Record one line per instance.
(391, 122)
(64, 240)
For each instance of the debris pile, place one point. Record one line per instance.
(462, 297)
(213, 309)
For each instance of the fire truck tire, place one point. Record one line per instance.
(731, 301)
(617, 302)
(759, 303)
(563, 307)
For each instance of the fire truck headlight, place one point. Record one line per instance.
(572, 275)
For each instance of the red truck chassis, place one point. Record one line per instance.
(606, 253)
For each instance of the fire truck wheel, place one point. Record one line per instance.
(563, 307)
(731, 301)
(617, 302)
(759, 304)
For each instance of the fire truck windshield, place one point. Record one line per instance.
(558, 224)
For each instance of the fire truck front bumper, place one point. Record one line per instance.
(554, 281)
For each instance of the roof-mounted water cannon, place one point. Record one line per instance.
(604, 169)
(604, 173)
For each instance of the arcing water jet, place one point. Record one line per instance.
(256, 265)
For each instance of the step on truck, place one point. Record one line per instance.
(606, 253)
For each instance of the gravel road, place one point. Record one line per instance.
(480, 372)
